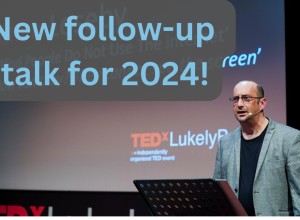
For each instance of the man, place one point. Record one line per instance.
(261, 158)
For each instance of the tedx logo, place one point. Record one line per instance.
(149, 140)
(17, 210)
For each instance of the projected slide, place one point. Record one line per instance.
(86, 137)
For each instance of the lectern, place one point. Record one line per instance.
(189, 197)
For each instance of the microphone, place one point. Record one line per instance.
(251, 114)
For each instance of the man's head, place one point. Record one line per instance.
(248, 101)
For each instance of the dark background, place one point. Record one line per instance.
(291, 65)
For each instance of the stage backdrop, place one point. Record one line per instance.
(96, 146)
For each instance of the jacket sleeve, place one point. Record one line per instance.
(217, 171)
(293, 173)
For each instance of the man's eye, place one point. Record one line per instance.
(246, 98)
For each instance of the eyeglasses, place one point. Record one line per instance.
(245, 98)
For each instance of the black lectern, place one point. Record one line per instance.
(189, 197)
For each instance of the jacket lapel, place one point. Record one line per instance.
(264, 148)
(237, 159)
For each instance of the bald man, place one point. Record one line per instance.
(261, 158)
